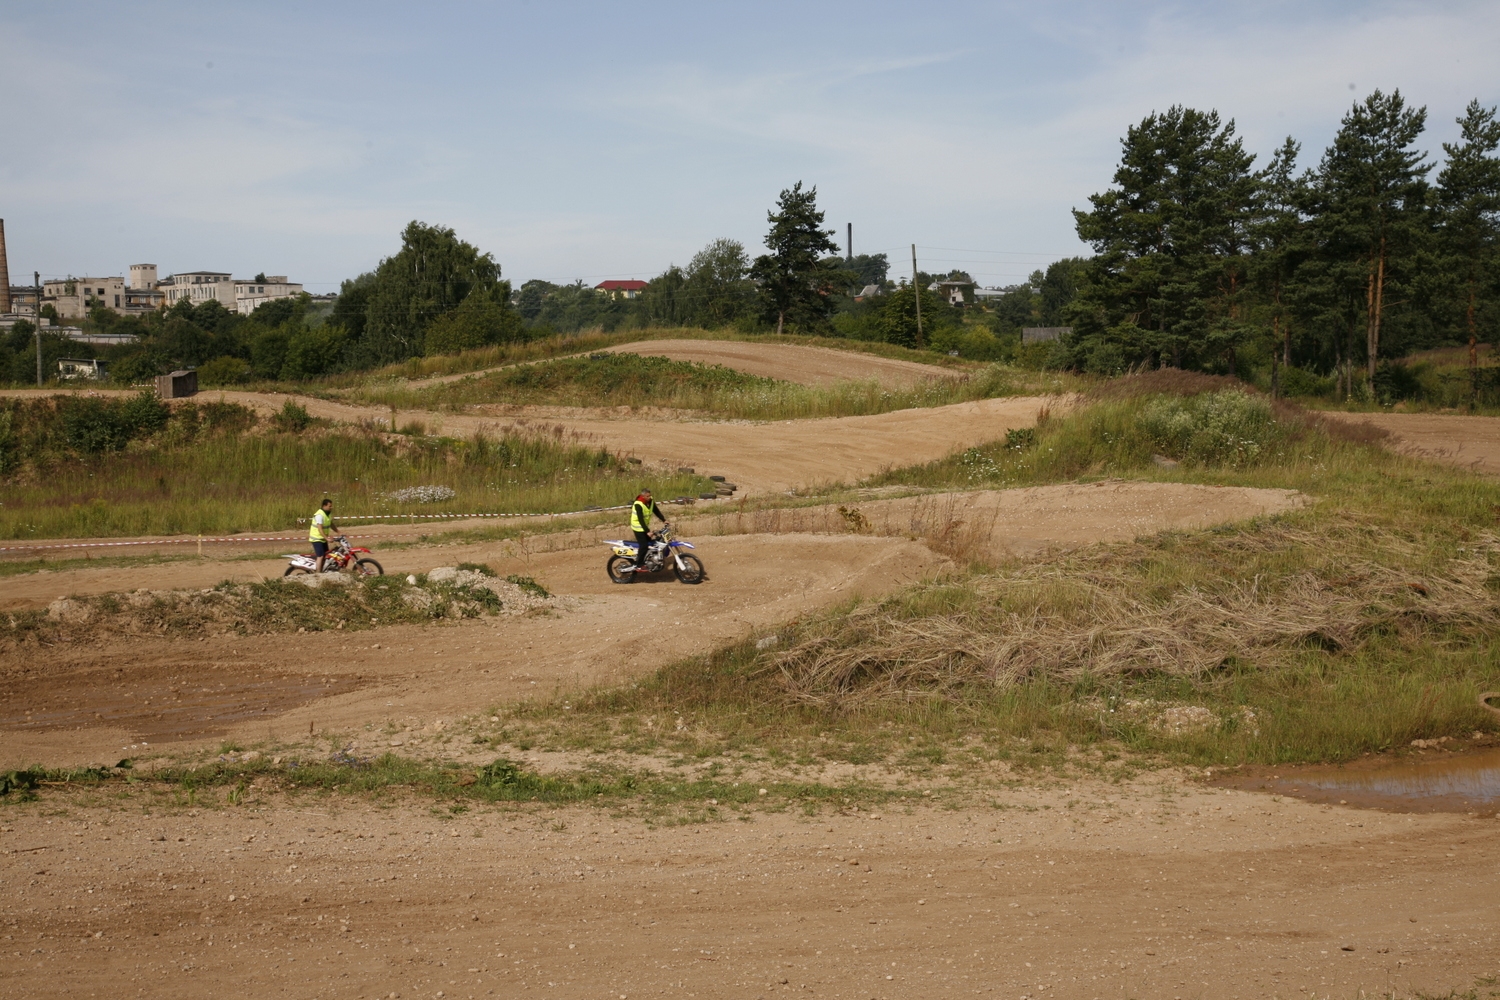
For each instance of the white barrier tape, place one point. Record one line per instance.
(162, 541)
(292, 538)
(449, 517)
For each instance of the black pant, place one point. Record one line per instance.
(642, 543)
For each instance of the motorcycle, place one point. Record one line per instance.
(666, 551)
(340, 557)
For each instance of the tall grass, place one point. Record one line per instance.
(713, 390)
(252, 477)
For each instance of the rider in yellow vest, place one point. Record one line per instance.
(641, 513)
(322, 529)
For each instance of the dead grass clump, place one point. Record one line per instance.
(1089, 616)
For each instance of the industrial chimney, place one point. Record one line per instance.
(5, 304)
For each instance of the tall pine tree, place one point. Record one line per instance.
(1371, 206)
(795, 281)
(1469, 202)
(1171, 240)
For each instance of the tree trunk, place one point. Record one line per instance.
(1473, 335)
(1376, 301)
(780, 318)
(1275, 368)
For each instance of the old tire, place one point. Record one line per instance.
(621, 569)
(691, 570)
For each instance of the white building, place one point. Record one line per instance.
(250, 295)
(198, 287)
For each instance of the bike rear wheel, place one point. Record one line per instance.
(691, 570)
(621, 569)
(368, 567)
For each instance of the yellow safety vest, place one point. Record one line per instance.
(640, 516)
(318, 531)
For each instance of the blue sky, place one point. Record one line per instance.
(578, 140)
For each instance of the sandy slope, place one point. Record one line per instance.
(1153, 888)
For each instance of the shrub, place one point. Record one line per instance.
(225, 370)
(1226, 428)
(1301, 382)
(292, 418)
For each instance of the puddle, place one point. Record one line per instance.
(159, 710)
(1467, 782)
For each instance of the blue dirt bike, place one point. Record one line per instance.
(665, 552)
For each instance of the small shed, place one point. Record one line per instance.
(1042, 334)
(177, 385)
(75, 368)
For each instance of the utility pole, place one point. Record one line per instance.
(36, 277)
(916, 291)
(850, 243)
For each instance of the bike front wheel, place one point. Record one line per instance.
(691, 570)
(367, 567)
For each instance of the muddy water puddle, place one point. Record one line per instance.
(1467, 782)
(158, 711)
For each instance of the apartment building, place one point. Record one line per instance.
(74, 297)
(251, 295)
(198, 287)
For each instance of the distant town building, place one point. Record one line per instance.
(982, 294)
(1042, 334)
(869, 292)
(74, 297)
(621, 289)
(251, 295)
(198, 287)
(951, 291)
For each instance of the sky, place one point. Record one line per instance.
(592, 141)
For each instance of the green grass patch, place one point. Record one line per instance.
(195, 475)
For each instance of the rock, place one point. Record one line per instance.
(411, 579)
(442, 574)
(1164, 462)
(767, 642)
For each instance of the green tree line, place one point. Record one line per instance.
(1204, 261)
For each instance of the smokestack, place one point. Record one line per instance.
(4, 273)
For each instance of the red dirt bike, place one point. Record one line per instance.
(340, 557)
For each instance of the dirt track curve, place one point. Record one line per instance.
(788, 362)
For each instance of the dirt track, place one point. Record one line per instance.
(788, 362)
(758, 457)
(1154, 888)
(1457, 439)
(100, 699)
(792, 363)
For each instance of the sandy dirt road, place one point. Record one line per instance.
(1457, 439)
(1087, 891)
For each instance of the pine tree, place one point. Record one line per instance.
(795, 283)
(1469, 203)
(1171, 240)
(1371, 207)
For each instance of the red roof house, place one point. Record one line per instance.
(621, 289)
